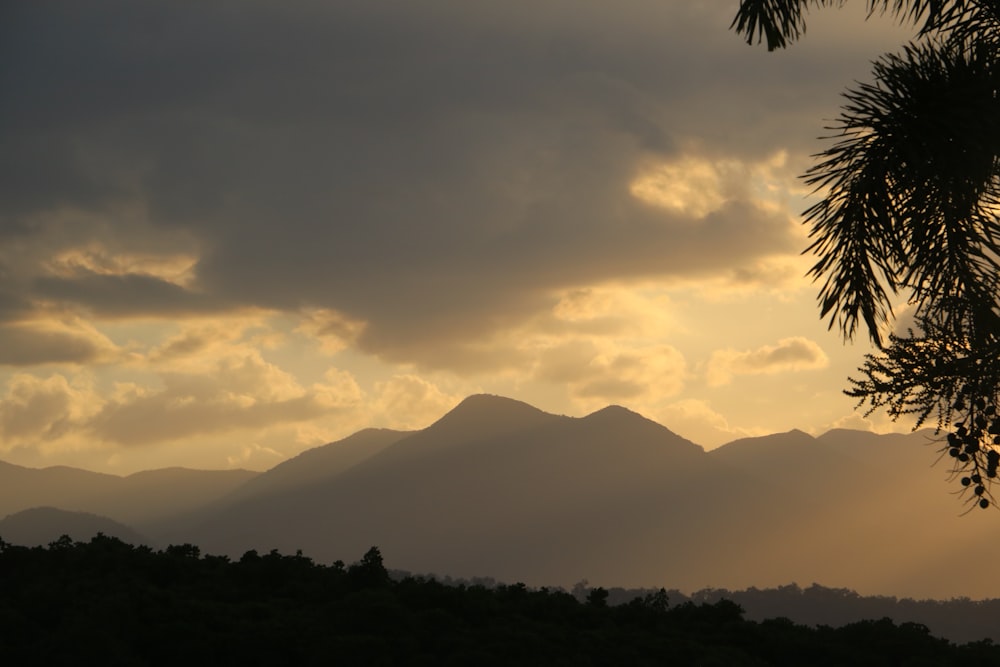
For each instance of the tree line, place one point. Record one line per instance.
(108, 602)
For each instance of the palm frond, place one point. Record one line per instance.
(910, 187)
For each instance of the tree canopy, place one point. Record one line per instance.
(908, 210)
(107, 602)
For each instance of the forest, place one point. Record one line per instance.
(108, 602)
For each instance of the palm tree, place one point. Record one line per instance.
(910, 199)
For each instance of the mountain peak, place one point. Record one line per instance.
(621, 423)
(491, 402)
(612, 411)
(477, 418)
(489, 411)
(793, 438)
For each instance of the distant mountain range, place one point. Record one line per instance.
(45, 525)
(499, 488)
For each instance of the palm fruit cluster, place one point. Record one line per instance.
(972, 446)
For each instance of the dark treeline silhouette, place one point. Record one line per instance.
(107, 602)
(960, 620)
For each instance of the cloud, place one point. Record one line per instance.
(196, 344)
(333, 330)
(789, 354)
(435, 175)
(609, 311)
(34, 408)
(130, 295)
(39, 342)
(877, 422)
(853, 421)
(695, 186)
(255, 457)
(239, 393)
(599, 372)
(696, 420)
(96, 259)
(437, 196)
(408, 402)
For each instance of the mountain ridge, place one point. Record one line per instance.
(39, 526)
(499, 488)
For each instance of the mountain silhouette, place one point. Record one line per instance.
(861, 510)
(318, 464)
(40, 526)
(140, 497)
(498, 488)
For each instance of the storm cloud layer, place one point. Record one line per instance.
(419, 182)
(433, 169)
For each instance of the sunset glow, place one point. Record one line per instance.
(270, 225)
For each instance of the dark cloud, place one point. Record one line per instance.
(14, 306)
(26, 345)
(161, 417)
(130, 295)
(434, 169)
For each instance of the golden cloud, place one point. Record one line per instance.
(598, 372)
(409, 402)
(695, 186)
(34, 409)
(697, 421)
(334, 330)
(241, 391)
(95, 258)
(789, 354)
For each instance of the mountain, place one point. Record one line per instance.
(59, 486)
(40, 526)
(318, 464)
(141, 497)
(863, 511)
(498, 488)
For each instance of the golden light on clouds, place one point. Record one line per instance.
(197, 342)
(598, 372)
(689, 185)
(788, 355)
(94, 258)
(696, 186)
(36, 410)
(334, 331)
(696, 420)
(409, 402)
(615, 310)
(222, 276)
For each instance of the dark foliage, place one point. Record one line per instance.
(961, 620)
(910, 199)
(106, 602)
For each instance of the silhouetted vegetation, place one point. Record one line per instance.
(110, 603)
(908, 210)
(960, 620)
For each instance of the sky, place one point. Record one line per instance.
(232, 231)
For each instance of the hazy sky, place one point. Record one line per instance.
(230, 231)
